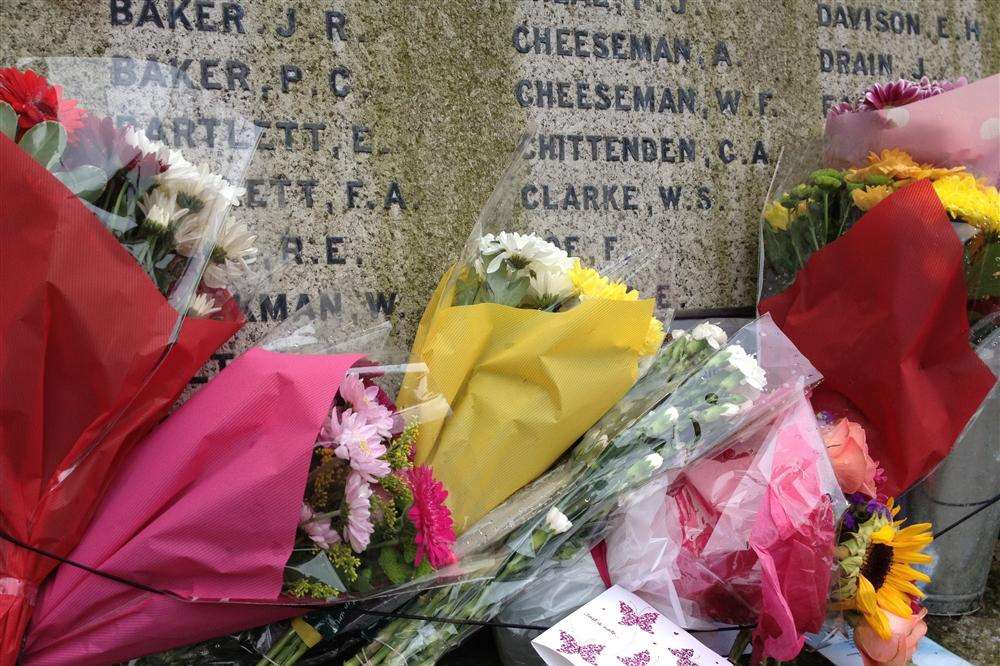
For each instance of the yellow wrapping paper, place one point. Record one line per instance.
(523, 385)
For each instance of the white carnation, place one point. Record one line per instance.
(557, 521)
(655, 460)
(710, 333)
(753, 374)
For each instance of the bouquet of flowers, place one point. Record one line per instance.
(745, 536)
(878, 560)
(529, 347)
(125, 265)
(874, 244)
(698, 392)
(287, 480)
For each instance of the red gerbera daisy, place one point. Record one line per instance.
(34, 99)
(435, 533)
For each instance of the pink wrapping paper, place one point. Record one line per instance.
(746, 536)
(205, 507)
(957, 128)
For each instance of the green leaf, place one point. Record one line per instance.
(8, 120)
(45, 142)
(507, 288)
(86, 182)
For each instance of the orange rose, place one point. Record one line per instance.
(898, 648)
(848, 450)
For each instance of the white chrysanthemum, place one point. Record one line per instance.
(710, 333)
(523, 251)
(546, 265)
(234, 252)
(177, 165)
(753, 374)
(161, 210)
(557, 521)
(213, 193)
(677, 334)
(202, 306)
(671, 414)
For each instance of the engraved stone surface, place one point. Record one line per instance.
(387, 123)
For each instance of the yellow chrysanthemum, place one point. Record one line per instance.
(869, 197)
(590, 284)
(898, 165)
(876, 569)
(777, 216)
(970, 201)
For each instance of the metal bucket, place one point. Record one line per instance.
(965, 481)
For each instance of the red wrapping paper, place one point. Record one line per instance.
(881, 313)
(86, 369)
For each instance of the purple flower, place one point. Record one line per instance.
(320, 531)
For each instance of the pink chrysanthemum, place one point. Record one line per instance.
(431, 517)
(359, 444)
(358, 528)
(320, 531)
(359, 396)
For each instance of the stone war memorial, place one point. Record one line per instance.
(386, 125)
(369, 134)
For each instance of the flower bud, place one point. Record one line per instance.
(557, 521)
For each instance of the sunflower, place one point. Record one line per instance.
(876, 572)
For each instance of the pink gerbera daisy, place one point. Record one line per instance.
(431, 517)
(889, 95)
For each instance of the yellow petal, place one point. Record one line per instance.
(880, 623)
(893, 601)
(884, 534)
(907, 572)
(866, 599)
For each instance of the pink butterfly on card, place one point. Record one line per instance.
(684, 657)
(632, 619)
(588, 653)
(638, 659)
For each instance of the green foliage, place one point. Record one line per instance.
(344, 561)
(305, 587)
(86, 182)
(8, 121)
(983, 271)
(400, 449)
(45, 142)
(394, 568)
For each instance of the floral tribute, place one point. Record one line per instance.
(526, 271)
(877, 556)
(162, 208)
(896, 93)
(370, 518)
(825, 207)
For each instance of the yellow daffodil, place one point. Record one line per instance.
(970, 201)
(869, 197)
(777, 216)
(898, 165)
(876, 573)
(590, 284)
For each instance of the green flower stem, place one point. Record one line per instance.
(740, 645)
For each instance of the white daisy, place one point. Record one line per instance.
(161, 210)
(202, 306)
(546, 265)
(234, 252)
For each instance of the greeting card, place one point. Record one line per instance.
(620, 629)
